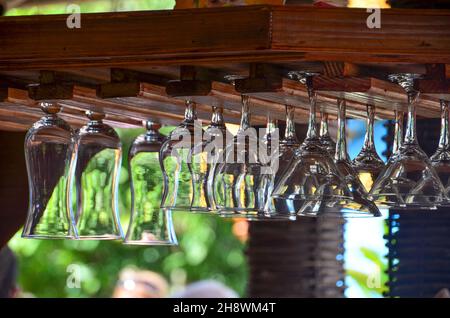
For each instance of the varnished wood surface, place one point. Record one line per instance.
(248, 33)
(144, 65)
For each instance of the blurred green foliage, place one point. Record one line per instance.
(93, 6)
(207, 250)
(372, 284)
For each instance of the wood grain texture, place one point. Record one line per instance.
(249, 33)
(404, 36)
(129, 37)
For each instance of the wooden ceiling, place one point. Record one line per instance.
(142, 65)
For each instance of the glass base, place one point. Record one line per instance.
(186, 209)
(99, 237)
(389, 204)
(256, 215)
(151, 243)
(301, 197)
(202, 210)
(338, 214)
(47, 237)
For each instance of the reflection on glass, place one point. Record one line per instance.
(175, 155)
(312, 174)
(48, 151)
(440, 160)
(408, 179)
(358, 205)
(325, 138)
(149, 224)
(204, 157)
(98, 153)
(274, 207)
(237, 184)
(367, 163)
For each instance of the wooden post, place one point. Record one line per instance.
(296, 259)
(418, 259)
(13, 184)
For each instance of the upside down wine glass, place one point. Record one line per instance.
(174, 159)
(398, 131)
(275, 207)
(149, 223)
(269, 154)
(204, 155)
(48, 152)
(409, 179)
(359, 205)
(237, 180)
(367, 163)
(325, 138)
(97, 157)
(311, 174)
(440, 160)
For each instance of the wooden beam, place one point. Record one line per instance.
(416, 36)
(132, 37)
(3, 93)
(239, 34)
(126, 83)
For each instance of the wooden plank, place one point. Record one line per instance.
(235, 34)
(3, 93)
(130, 37)
(157, 94)
(417, 36)
(439, 89)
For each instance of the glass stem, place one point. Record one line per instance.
(324, 124)
(245, 113)
(411, 136)
(341, 143)
(312, 129)
(398, 130)
(368, 138)
(289, 133)
(217, 117)
(444, 137)
(190, 113)
(271, 124)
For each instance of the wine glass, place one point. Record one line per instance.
(274, 207)
(48, 153)
(149, 224)
(440, 160)
(409, 180)
(311, 174)
(398, 131)
(174, 159)
(237, 180)
(367, 163)
(359, 205)
(324, 134)
(204, 157)
(97, 157)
